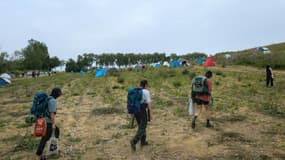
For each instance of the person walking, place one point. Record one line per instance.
(51, 123)
(201, 96)
(269, 76)
(142, 117)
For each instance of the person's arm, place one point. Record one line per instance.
(52, 117)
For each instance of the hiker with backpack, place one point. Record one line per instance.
(201, 96)
(269, 76)
(49, 116)
(139, 104)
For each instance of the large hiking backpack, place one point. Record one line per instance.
(134, 100)
(40, 105)
(199, 86)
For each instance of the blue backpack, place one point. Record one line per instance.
(40, 105)
(134, 100)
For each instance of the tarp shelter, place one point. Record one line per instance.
(210, 62)
(4, 81)
(175, 64)
(100, 72)
(5, 75)
(200, 60)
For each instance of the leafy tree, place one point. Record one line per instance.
(54, 62)
(4, 61)
(36, 56)
(71, 66)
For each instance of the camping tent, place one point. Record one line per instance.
(227, 56)
(165, 63)
(175, 64)
(200, 60)
(210, 62)
(5, 75)
(262, 50)
(156, 65)
(100, 72)
(183, 61)
(4, 81)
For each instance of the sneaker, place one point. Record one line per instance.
(133, 146)
(193, 125)
(144, 143)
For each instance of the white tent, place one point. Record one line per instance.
(5, 75)
(165, 63)
(228, 56)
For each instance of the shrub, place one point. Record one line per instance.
(120, 80)
(185, 72)
(177, 84)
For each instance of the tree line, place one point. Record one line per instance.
(35, 56)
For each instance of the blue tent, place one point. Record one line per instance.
(200, 60)
(4, 81)
(81, 72)
(100, 73)
(175, 64)
(157, 65)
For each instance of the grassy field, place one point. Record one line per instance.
(248, 117)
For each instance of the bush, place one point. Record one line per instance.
(185, 72)
(120, 80)
(177, 84)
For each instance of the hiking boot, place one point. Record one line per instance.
(145, 143)
(133, 146)
(42, 158)
(193, 125)
(209, 125)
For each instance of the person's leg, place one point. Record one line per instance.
(197, 113)
(44, 139)
(267, 82)
(207, 108)
(272, 82)
(142, 122)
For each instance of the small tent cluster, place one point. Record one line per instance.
(5, 79)
(263, 50)
(209, 62)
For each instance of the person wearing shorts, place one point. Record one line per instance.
(203, 100)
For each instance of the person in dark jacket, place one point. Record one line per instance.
(269, 76)
(51, 125)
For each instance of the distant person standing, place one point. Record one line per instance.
(201, 95)
(269, 76)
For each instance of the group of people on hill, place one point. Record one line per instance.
(145, 115)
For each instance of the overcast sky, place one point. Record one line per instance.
(73, 27)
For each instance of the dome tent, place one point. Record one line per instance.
(4, 81)
(210, 62)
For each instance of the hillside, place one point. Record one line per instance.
(275, 48)
(248, 117)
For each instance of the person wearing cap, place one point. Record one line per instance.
(51, 123)
(142, 118)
